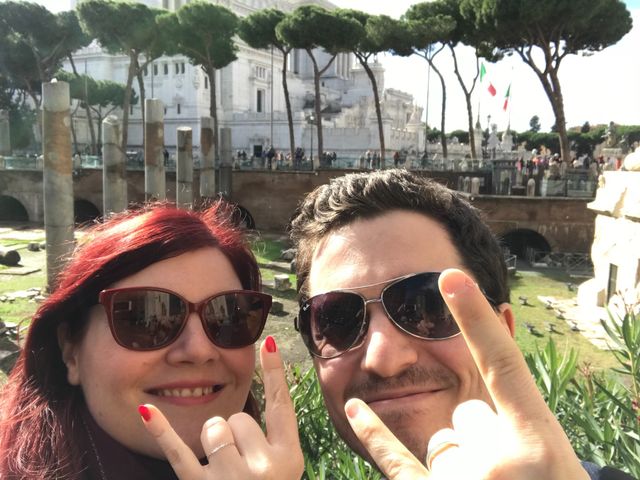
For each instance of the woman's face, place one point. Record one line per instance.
(116, 380)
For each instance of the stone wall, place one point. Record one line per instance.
(614, 252)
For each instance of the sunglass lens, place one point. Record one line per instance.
(147, 319)
(236, 320)
(417, 306)
(331, 323)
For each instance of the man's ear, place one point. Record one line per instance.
(69, 354)
(505, 313)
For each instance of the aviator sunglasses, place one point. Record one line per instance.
(334, 322)
(146, 318)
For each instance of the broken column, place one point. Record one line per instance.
(57, 179)
(184, 168)
(114, 181)
(5, 139)
(154, 171)
(207, 167)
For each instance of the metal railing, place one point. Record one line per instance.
(573, 262)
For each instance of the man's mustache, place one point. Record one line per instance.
(427, 378)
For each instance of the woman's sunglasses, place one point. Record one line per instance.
(146, 318)
(332, 323)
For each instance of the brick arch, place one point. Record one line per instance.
(12, 210)
(519, 239)
(85, 211)
(244, 217)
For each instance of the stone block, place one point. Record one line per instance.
(282, 282)
(288, 254)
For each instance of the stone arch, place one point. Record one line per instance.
(244, 218)
(12, 210)
(520, 239)
(85, 212)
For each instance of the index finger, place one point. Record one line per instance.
(495, 352)
(282, 425)
(182, 459)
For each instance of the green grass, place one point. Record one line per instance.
(530, 284)
(267, 250)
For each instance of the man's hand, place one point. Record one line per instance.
(521, 439)
(237, 448)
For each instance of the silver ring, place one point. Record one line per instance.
(218, 448)
(444, 440)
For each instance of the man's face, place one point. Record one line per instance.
(413, 385)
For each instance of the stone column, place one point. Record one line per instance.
(57, 178)
(207, 150)
(5, 139)
(154, 171)
(226, 153)
(531, 188)
(226, 163)
(114, 176)
(184, 169)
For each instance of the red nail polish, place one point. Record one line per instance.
(145, 413)
(270, 343)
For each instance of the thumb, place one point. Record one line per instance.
(391, 456)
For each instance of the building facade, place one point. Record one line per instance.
(251, 99)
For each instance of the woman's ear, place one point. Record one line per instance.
(69, 354)
(505, 313)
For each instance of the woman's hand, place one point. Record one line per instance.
(521, 439)
(237, 448)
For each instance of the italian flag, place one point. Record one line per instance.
(506, 98)
(483, 73)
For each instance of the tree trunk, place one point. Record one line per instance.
(376, 99)
(443, 135)
(558, 108)
(316, 84)
(87, 109)
(287, 101)
(73, 131)
(142, 96)
(127, 101)
(467, 97)
(551, 86)
(318, 107)
(213, 111)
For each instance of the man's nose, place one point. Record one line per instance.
(388, 351)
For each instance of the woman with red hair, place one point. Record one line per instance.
(155, 316)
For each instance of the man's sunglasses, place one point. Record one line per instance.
(146, 318)
(332, 323)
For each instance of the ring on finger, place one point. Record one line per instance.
(218, 448)
(441, 441)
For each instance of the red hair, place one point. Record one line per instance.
(38, 405)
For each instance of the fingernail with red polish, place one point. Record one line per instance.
(144, 412)
(270, 343)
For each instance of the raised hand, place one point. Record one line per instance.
(237, 448)
(519, 438)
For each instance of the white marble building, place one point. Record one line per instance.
(251, 100)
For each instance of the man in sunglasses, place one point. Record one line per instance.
(404, 306)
